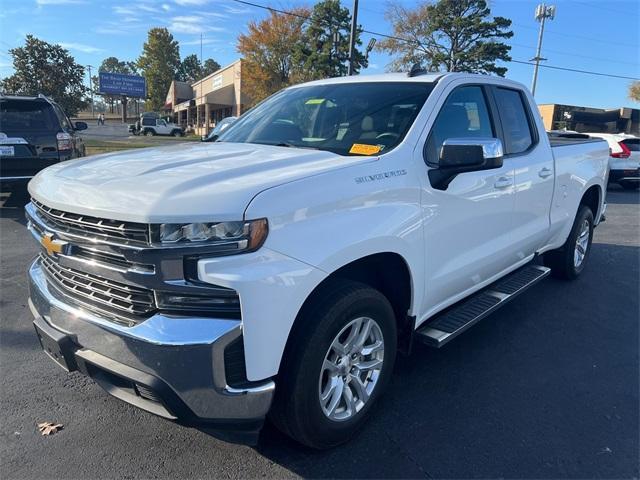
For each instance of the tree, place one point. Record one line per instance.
(267, 52)
(451, 35)
(159, 63)
(210, 66)
(41, 67)
(190, 69)
(634, 91)
(317, 52)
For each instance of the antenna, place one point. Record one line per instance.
(416, 70)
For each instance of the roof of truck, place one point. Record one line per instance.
(404, 77)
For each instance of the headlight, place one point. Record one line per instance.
(244, 236)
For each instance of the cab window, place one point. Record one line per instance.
(464, 115)
(515, 121)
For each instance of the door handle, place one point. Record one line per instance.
(503, 182)
(545, 172)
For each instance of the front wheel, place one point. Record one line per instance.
(338, 362)
(569, 261)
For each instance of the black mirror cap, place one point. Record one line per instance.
(460, 156)
(80, 126)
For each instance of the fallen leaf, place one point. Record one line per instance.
(48, 428)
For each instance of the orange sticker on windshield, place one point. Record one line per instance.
(363, 149)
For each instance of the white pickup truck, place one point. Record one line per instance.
(279, 270)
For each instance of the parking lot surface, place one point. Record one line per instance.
(547, 388)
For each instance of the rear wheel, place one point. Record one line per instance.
(337, 364)
(149, 133)
(569, 261)
(176, 133)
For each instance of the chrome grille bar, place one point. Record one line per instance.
(99, 292)
(91, 226)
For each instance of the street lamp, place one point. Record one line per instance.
(542, 13)
(370, 45)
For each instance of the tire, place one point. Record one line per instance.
(630, 185)
(567, 262)
(298, 409)
(176, 133)
(149, 133)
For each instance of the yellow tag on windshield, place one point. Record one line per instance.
(314, 101)
(363, 149)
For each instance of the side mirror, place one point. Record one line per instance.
(80, 126)
(460, 155)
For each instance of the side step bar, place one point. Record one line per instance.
(459, 317)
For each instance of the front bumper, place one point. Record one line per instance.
(173, 367)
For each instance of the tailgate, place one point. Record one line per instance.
(24, 157)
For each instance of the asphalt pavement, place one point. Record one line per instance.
(547, 387)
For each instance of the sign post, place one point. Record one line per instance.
(123, 85)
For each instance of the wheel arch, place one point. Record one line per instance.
(592, 198)
(389, 273)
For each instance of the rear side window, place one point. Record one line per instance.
(515, 121)
(18, 116)
(633, 144)
(464, 115)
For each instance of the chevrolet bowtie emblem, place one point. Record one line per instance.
(52, 245)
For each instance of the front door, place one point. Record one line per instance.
(467, 227)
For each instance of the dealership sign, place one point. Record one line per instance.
(121, 84)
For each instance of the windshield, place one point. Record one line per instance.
(347, 118)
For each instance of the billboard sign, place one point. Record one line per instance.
(121, 84)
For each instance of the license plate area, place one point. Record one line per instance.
(58, 346)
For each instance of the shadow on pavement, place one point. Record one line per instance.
(13, 201)
(546, 387)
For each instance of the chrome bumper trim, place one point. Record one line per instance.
(172, 349)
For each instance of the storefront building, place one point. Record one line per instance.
(197, 107)
(586, 119)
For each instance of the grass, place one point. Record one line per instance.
(94, 146)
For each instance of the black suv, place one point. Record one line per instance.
(34, 133)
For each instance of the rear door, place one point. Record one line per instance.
(29, 129)
(533, 162)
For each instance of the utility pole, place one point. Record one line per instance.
(352, 37)
(89, 67)
(542, 13)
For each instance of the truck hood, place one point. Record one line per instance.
(179, 183)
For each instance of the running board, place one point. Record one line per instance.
(456, 319)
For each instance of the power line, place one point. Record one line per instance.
(598, 7)
(577, 70)
(415, 42)
(581, 37)
(588, 57)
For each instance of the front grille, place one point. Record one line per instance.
(100, 294)
(114, 230)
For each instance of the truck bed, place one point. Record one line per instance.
(561, 140)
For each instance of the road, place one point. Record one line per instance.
(545, 388)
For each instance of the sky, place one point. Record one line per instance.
(601, 36)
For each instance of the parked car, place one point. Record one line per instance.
(280, 269)
(624, 163)
(158, 126)
(34, 133)
(220, 127)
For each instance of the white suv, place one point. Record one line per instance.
(624, 162)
